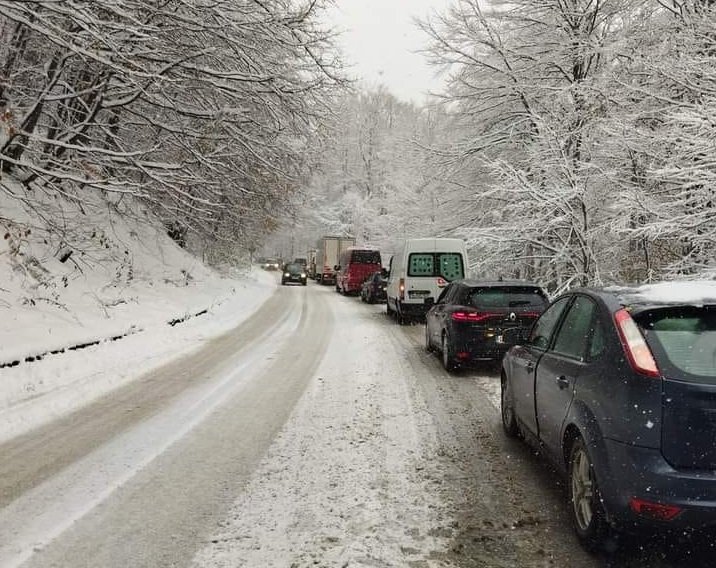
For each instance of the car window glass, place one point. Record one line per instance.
(598, 344)
(450, 266)
(421, 264)
(443, 296)
(506, 297)
(544, 326)
(447, 265)
(574, 334)
(683, 340)
(364, 257)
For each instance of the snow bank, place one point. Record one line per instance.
(80, 275)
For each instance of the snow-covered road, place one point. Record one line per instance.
(317, 433)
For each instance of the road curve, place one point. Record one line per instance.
(132, 479)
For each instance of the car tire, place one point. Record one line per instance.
(448, 357)
(428, 344)
(507, 409)
(400, 316)
(283, 282)
(586, 508)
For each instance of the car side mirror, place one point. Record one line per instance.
(429, 301)
(336, 267)
(384, 273)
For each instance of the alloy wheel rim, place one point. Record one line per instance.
(582, 490)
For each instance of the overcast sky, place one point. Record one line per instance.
(381, 40)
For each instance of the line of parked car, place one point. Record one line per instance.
(617, 386)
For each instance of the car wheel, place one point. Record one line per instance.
(428, 344)
(587, 510)
(400, 316)
(283, 282)
(388, 310)
(448, 355)
(507, 405)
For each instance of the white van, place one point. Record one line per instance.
(420, 270)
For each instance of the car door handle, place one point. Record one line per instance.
(530, 366)
(562, 382)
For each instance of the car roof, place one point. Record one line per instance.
(499, 283)
(648, 296)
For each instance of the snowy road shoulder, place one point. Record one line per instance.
(39, 392)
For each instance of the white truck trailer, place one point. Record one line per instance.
(328, 253)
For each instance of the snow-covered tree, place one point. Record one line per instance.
(201, 109)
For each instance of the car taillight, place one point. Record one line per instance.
(657, 511)
(635, 347)
(472, 316)
(532, 315)
(401, 288)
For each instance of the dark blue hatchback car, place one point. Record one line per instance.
(618, 386)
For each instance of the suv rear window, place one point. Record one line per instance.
(445, 264)
(683, 340)
(365, 256)
(506, 297)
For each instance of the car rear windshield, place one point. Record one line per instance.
(445, 264)
(506, 297)
(365, 256)
(683, 340)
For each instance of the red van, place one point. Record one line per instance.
(356, 264)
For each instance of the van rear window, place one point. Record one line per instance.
(683, 340)
(446, 264)
(365, 256)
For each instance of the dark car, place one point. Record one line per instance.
(294, 273)
(373, 289)
(477, 321)
(618, 387)
(271, 264)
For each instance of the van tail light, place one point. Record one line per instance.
(472, 316)
(401, 288)
(635, 347)
(658, 511)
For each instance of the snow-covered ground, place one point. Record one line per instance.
(84, 315)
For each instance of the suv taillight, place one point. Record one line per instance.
(635, 347)
(401, 288)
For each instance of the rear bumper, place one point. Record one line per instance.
(645, 474)
(327, 278)
(414, 310)
(479, 348)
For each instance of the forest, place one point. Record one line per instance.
(574, 142)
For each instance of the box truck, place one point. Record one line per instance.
(328, 254)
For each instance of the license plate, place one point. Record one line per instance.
(418, 293)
